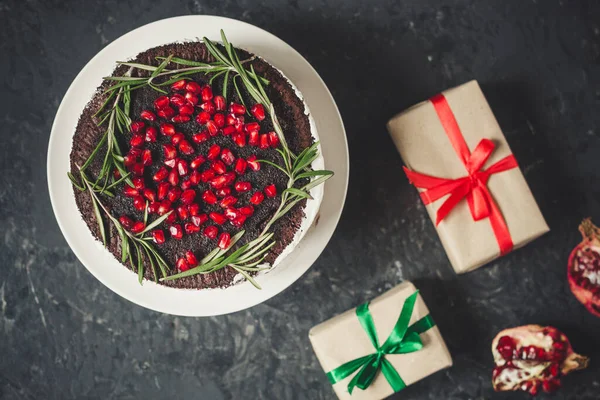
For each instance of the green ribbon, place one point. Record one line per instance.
(403, 339)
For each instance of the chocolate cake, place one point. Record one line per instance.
(177, 155)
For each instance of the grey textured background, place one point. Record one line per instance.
(65, 336)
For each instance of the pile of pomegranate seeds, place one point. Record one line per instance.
(533, 357)
(195, 184)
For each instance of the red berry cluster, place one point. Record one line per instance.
(176, 180)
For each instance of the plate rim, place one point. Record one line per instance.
(223, 21)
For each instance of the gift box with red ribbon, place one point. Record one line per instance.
(470, 182)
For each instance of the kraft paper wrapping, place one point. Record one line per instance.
(342, 339)
(424, 146)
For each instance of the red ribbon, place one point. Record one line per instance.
(473, 186)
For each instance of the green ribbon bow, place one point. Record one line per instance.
(403, 339)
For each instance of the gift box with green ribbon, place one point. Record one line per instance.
(381, 346)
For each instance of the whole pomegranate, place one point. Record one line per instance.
(531, 357)
(584, 268)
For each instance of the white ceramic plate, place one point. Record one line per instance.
(100, 261)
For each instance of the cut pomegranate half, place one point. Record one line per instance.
(584, 268)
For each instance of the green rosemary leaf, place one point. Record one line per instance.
(138, 65)
(248, 277)
(124, 242)
(305, 158)
(258, 253)
(161, 67)
(105, 103)
(279, 167)
(225, 84)
(146, 213)
(98, 218)
(74, 182)
(259, 84)
(255, 246)
(309, 174)
(216, 53)
(154, 255)
(182, 61)
(151, 261)
(237, 89)
(316, 182)
(96, 149)
(286, 209)
(156, 222)
(140, 262)
(210, 81)
(128, 79)
(211, 266)
(298, 192)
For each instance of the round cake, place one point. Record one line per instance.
(192, 163)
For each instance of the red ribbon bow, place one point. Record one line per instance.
(473, 186)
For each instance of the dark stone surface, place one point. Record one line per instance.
(65, 336)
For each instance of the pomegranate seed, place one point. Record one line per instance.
(173, 177)
(165, 207)
(212, 127)
(185, 147)
(175, 231)
(199, 219)
(161, 174)
(253, 138)
(161, 102)
(194, 209)
(148, 115)
(207, 175)
(183, 212)
(242, 187)
(136, 140)
(162, 191)
(166, 112)
(223, 192)
(182, 167)
(219, 103)
(209, 197)
(202, 117)
(208, 106)
(116, 174)
(170, 151)
(186, 109)
(137, 126)
(190, 228)
(264, 141)
(257, 198)
(138, 183)
(224, 240)
(240, 166)
(135, 152)
(252, 126)
(211, 232)
(167, 129)
(237, 109)
(174, 194)
(219, 167)
(158, 236)
(153, 207)
(188, 196)
(230, 120)
(138, 227)
(147, 157)
(194, 178)
(247, 210)
(239, 124)
(217, 218)
(191, 98)
(228, 130)
(239, 138)
(191, 258)
(179, 85)
(128, 160)
(171, 219)
(227, 156)
(178, 100)
(219, 120)
(206, 93)
(239, 221)
(200, 137)
(252, 163)
(129, 191)
(181, 118)
(149, 194)
(228, 201)
(171, 163)
(214, 152)
(271, 191)
(231, 213)
(186, 184)
(182, 265)
(273, 139)
(177, 138)
(198, 161)
(258, 110)
(223, 180)
(192, 87)
(139, 203)
(126, 221)
(150, 134)
(137, 169)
